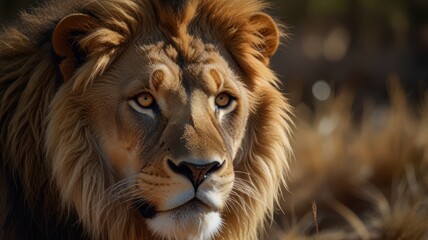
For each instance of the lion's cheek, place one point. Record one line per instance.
(122, 157)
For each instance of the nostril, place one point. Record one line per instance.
(214, 168)
(196, 173)
(181, 169)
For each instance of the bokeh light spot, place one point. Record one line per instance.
(336, 44)
(321, 90)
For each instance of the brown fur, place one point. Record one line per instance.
(67, 148)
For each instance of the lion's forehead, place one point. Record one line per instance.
(203, 68)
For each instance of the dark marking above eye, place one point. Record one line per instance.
(157, 78)
(215, 75)
(209, 61)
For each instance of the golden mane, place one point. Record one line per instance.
(30, 80)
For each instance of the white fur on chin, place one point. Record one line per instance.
(189, 224)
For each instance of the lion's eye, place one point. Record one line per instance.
(144, 103)
(145, 100)
(223, 100)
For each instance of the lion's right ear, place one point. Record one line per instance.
(268, 33)
(65, 41)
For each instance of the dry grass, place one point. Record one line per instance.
(364, 179)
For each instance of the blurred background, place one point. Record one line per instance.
(356, 73)
(360, 44)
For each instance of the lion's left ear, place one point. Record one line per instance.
(65, 38)
(80, 39)
(268, 31)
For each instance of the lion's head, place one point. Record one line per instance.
(147, 118)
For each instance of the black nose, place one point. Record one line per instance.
(194, 172)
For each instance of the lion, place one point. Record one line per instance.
(141, 119)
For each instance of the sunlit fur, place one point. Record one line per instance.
(47, 138)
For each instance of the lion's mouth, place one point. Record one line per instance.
(147, 210)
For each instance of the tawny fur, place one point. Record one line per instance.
(57, 186)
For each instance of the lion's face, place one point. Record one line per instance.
(168, 123)
(172, 130)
